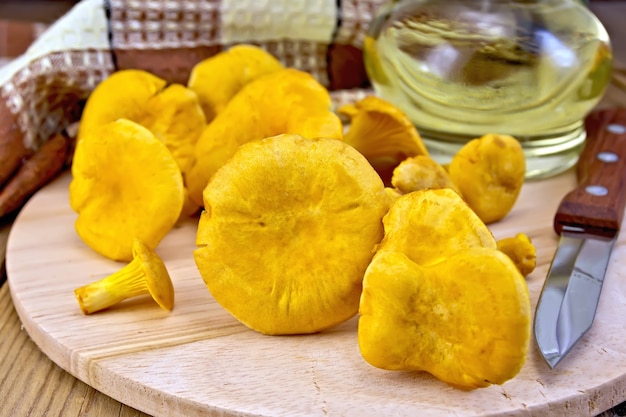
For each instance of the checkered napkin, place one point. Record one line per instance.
(43, 90)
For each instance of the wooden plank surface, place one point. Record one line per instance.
(32, 385)
(199, 360)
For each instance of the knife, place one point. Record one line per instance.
(588, 220)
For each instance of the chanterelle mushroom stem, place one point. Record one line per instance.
(145, 274)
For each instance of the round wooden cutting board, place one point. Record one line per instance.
(198, 360)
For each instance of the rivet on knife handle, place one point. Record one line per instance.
(597, 205)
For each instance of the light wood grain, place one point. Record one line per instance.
(32, 385)
(198, 360)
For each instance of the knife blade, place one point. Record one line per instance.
(588, 221)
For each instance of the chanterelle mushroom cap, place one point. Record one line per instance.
(122, 94)
(126, 185)
(429, 225)
(465, 320)
(521, 250)
(419, 173)
(489, 171)
(382, 133)
(175, 117)
(284, 101)
(288, 229)
(171, 112)
(145, 274)
(439, 297)
(218, 78)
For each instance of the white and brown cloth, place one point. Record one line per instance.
(43, 90)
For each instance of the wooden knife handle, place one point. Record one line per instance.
(596, 206)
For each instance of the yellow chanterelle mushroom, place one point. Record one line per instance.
(288, 229)
(171, 112)
(146, 274)
(521, 250)
(420, 173)
(123, 94)
(217, 79)
(489, 172)
(382, 133)
(284, 101)
(440, 297)
(125, 185)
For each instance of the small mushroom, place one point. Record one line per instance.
(521, 251)
(489, 172)
(145, 274)
(420, 172)
(382, 133)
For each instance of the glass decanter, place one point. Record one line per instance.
(459, 69)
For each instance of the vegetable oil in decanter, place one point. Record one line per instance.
(463, 68)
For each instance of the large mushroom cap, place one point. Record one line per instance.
(465, 320)
(440, 297)
(289, 228)
(126, 185)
